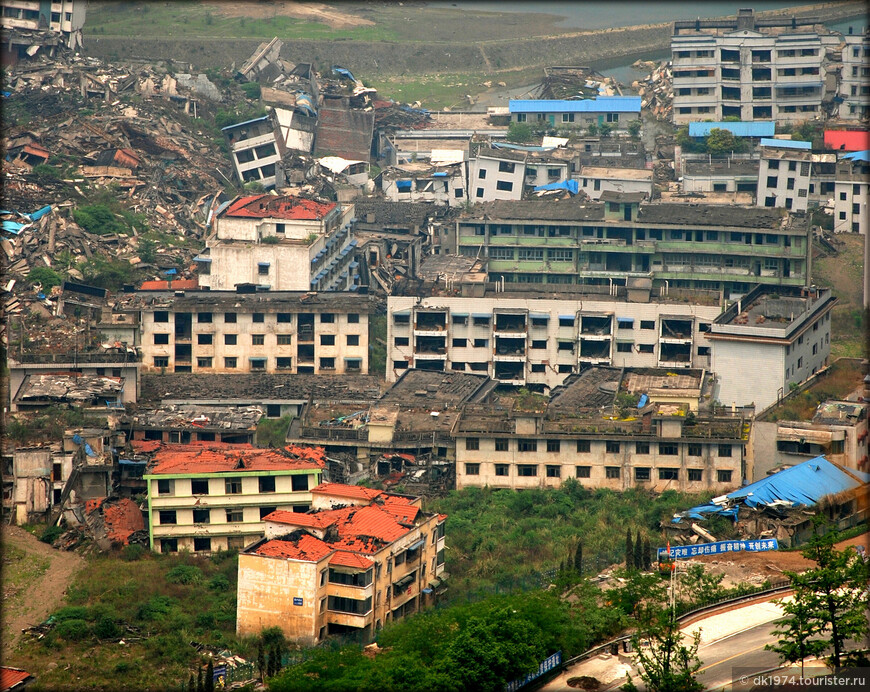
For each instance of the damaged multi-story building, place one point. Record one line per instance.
(205, 498)
(608, 428)
(262, 332)
(280, 244)
(23, 20)
(359, 559)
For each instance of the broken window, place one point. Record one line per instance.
(168, 545)
(353, 339)
(554, 471)
(669, 474)
(165, 486)
(284, 317)
(161, 362)
(201, 516)
(724, 450)
(527, 445)
(235, 515)
(201, 544)
(327, 339)
(266, 511)
(258, 317)
(723, 476)
(353, 318)
(230, 317)
(527, 470)
(584, 471)
(641, 473)
(161, 316)
(696, 474)
(327, 318)
(299, 483)
(199, 486)
(611, 472)
(203, 317)
(231, 362)
(502, 469)
(611, 447)
(203, 362)
(283, 363)
(233, 486)
(267, 484)
(167, 516)
(502, 445)
(204, 339)
(327, 363)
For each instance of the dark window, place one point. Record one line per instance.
(230, 317)
(203, 362)
(199, 486)
(327, 318)
(231, 339)
(527, 445)
(527, 470)
(401, 341)
(231, 362)
(283, 362)
(554, 471)
(327, 363)
(353, 318)
(611, 472)
(233, 486)
(258, 317)
(204, 339)
(669, 474)
(641, 447)
(327, 339)
(696, 475)
(668, 448)
(203, 317)
(285, 339)
(168, 545)
(554, 445)
(723, 476)
(646, 348)
(724, 450)
(353, 339)
(641, 473)
(266, 511)
(201, 544)
(258, 339)
(612, 447)
(299, 482)
(459, 343)
(164, 486)
(506, 167)
(161, 316)
(201, 516)
(539, 343)
(284, 317)
(647, 324)
(584, 472)
(694, 450)
(472, 443)
(504, 185)
(161, 339)
(622, 347)
(502, 445)
(501, 470)
(472, 469)
(267, 484)
(167, 516)
(584, 446)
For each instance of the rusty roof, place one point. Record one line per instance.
(286, 207)
(357, 492)
(199, 459)
(344, 131)
(345, 559)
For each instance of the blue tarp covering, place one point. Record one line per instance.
(439, 175)
(758, 128)
(642, 401)
(39, 213)
(13, 226)
(786, 143)
(403, 185)
(305, 102)
(171, 272)
(858, 156)
(343, 72)
(571, 185)
(602, 104)
(79, 440)
(246, 122)
(801, 485)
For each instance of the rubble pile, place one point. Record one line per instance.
(656, 90)
(576, 82)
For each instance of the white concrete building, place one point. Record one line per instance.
(254, 150)
(783, 332)
(595, 180)
(784, 173)
(536, 341)
(496, 174)
(422, 182)
(281, 244)
(64, 16)
(749, 68)
(271, 332)
(855, 78)
(851, 194)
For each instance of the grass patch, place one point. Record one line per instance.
(843, 377)
(20, 568)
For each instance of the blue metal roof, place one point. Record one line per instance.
(858, 156)
(786, 143)
(602, 104)
(246, 122)
(758, 128)
(572, 186)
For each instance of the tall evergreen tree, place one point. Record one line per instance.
(208, 685)
(261, 661)
(638, 552)
(629, 550)
(647, 555)
(578, 558)
(199, 687)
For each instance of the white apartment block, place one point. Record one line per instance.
(783, 332)
(752, 69)
(595, 181)
(64, 16)
(272, 332)
(421, 182)
(496, 174)
(254, 150)
(851, 194)
(784, 174)
(281, 244)
(855, 78)
(538, 342)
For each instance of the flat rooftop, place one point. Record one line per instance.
(272, 207)
(189, 417)
(70, 387)
(773, 307)
(620, 173)
(738, 167)
(232, 301)
(432, 389)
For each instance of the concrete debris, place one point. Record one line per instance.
(656, 90)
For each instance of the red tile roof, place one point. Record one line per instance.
(11, 677)
(848, 140)
(286, 207)
(145, 446)
(357, 492)
(315, 521)
(215, 459)
(307, 548)
(121, 517)
(176, 285)
(402, 510)
(345, 559)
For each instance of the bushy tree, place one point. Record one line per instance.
(796, 632)
(578, 558)
(721, 141)
(45, 276)
(665, 662)
(520, 132)
(647, 555)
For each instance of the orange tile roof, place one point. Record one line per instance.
(176, 285)
(357, 492)
(345, 559)
(284, 207)
(370, 521)
(184, 459)
(307, 548)
(121, 517)
(442, 517)
(403, 512)
(145, 446)
(12, 677)
(315, 521)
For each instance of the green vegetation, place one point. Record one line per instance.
(251, 89)
(158, 604)
(500, 540)
(107, 272)
(665, 663)
(272, 432)
(105, 218)
(45, 276)
(718, 143)
(378, 345)
(50, 424)
(830, 603)
(520, 132)
(843, 377)
(46, 173)
(20, 569)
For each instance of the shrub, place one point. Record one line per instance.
(184, 574)
(74, 630)
(107, 628)
(72, 613)
(251, 89)
(131, 553)
(45, 276)
(219, 583)
(51, 534)
(46, 173)
(155, 608)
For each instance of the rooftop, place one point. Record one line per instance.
(757, 128)
(732, 167)
(233, 301)
(840, 413)
(261, 387)
(772, 308)
(70, 387)
(199, 459)
(433, 389)
(224, 418)
(356, 492)
(610, 172)
(272, 207)
(601, 104)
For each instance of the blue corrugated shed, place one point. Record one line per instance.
(858, 156)
(758, 128)
(786, 143)
(571, 185)
(801, 485)
(602, 104)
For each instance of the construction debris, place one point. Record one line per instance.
(656, 90)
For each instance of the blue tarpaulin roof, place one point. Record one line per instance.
(343, 72)
(801, 485)
(403, 184)
(571, 185)
(858, 156)
(520, 147)
(602, 104)
(786, 143)
(758, 128)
